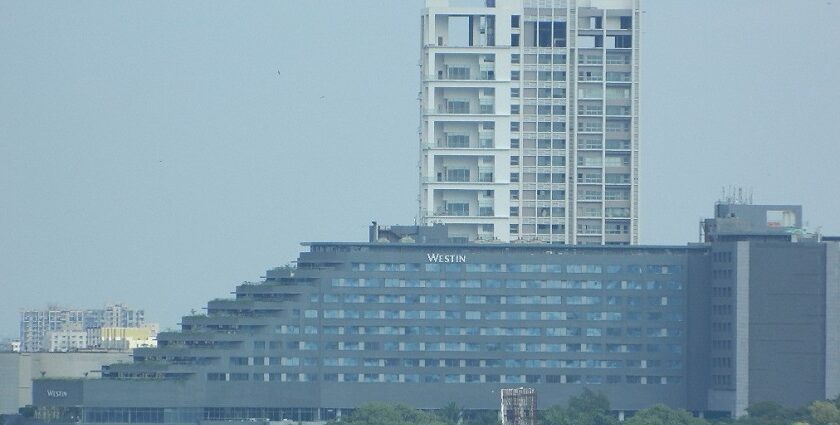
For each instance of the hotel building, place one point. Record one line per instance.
(748, 315)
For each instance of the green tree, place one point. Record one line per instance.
(767, 410)
(555, 415)
(664, 415)
(824, 413)
(588, 408)
(589, 402)
(771, 413)
(389, 414)
(451, 413)
(481, 417)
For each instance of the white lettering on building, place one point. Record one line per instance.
(446, 258)
(56, 394)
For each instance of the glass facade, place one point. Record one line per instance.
(471, 323)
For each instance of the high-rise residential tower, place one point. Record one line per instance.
(529, 128)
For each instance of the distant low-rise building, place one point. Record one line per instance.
(17, 370)
(122, 338)
(62, 341)
(9, 345)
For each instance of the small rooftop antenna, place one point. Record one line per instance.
(736, 195)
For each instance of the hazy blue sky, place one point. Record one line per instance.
(150, 153)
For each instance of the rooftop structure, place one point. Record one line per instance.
(734, 221)
(519, 406)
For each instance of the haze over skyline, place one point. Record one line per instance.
(151, 153)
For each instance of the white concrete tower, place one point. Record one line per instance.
(529, 122)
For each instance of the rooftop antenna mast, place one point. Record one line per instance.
(736, 195)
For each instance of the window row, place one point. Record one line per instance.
(532, 93)
(123, 415)
(718, 291)
(483, 347)
(522, 268)
(542, 59)
(556, 144)
(668, 316)
(722, 273)
(721, 326)
(541, 126)
(722, 257)
(470, 331)
(493, 299)
(504, 284)
(538, 110)
(595, 176)
(542, 161)
(446, 378)
(432, 363)
(598, 59)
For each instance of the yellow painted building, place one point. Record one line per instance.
(120, 338)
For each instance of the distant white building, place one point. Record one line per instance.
(34, 324)
(120, 316)
(62, 341)
(9, 345)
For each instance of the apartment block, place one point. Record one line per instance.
(530, 120)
